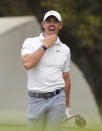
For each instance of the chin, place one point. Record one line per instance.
(51, 33)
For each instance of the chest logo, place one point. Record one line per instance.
(58, 50)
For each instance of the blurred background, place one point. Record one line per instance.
(82, 32)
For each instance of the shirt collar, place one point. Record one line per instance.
(41, 37)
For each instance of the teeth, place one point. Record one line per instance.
(51, 29)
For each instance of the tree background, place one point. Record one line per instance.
(82, 32)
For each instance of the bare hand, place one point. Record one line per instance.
(49, 40)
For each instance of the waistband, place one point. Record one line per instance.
(44, 95)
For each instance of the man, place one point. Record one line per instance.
(47, 61)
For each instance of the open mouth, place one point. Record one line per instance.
(51, 29)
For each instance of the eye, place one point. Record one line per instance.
(50, 21)
(56, 21)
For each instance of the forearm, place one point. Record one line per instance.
(67, 92)
(67, 87)
(30, 60)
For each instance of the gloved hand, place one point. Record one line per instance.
(67, 113)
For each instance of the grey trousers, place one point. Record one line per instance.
(46, 114)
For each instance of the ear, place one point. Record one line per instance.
(43, 25)
(61, 25)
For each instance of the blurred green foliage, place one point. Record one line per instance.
(14, 8)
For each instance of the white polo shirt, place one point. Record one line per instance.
(47, 74)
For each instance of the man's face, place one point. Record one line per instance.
(51, 26)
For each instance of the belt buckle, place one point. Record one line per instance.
(47, 95)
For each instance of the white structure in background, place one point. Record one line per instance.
(13, 94)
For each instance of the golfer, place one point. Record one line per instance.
(47, 61)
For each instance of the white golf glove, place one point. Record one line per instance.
(67, 113)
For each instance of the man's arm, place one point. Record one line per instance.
(30, 60)
(66, 78)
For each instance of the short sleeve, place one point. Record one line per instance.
(27, 47)
(66, 67)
